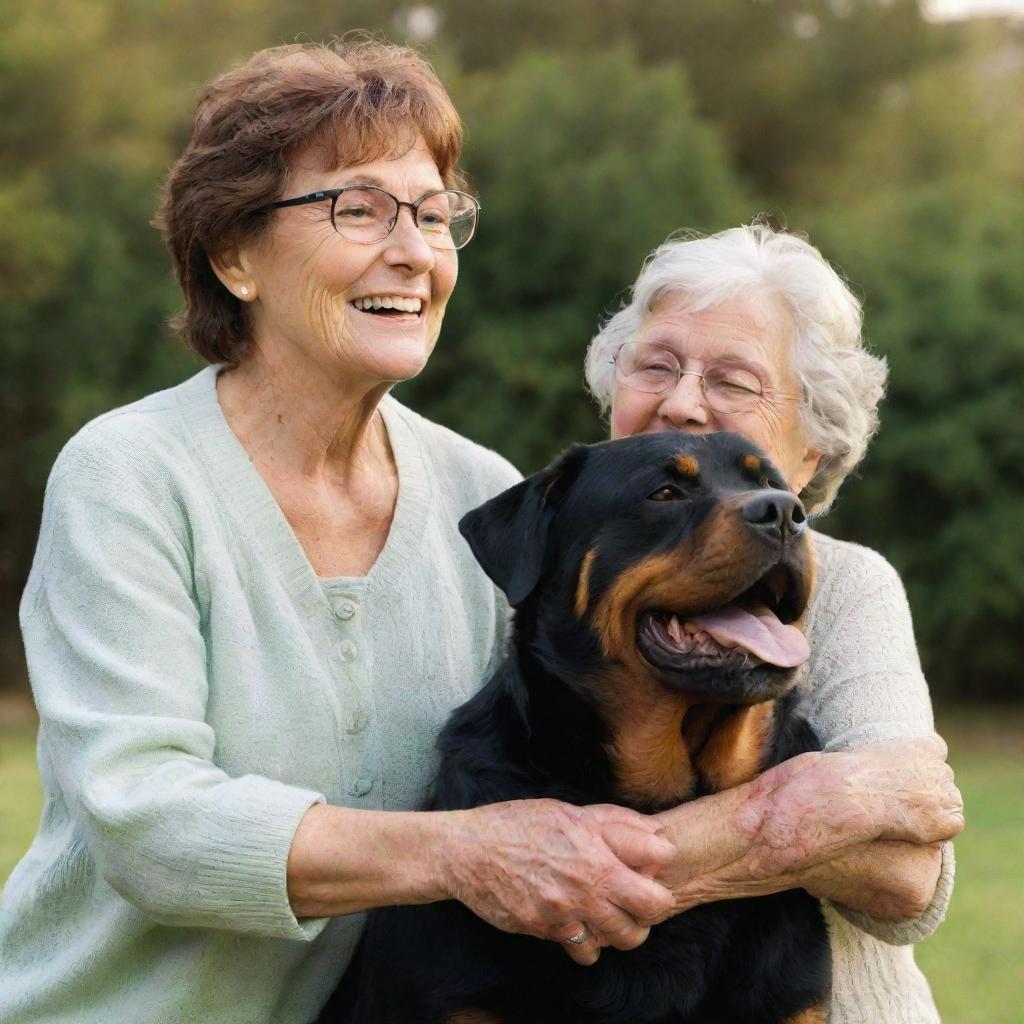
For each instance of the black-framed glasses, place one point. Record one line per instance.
(727, 387)
(367, 213)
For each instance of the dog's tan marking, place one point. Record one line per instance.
(751, 463)
(583, 585)
(686, 466)
(648, 754)
(812, 1015)
(473, 1017)
(735, 750)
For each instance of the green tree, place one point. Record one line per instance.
(926, 217)
(942, 492)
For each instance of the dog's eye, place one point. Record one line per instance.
(666, 493)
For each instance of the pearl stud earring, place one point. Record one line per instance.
(244, 291)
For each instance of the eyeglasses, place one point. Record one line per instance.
(365, 213)
(727, 387)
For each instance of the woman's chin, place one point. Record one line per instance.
(396, 366)
(384, 359)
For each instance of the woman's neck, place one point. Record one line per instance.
(298, 420)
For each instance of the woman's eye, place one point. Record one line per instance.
(432, 218)
(353, 212)
(666, 493)
(732, 379)
(654, 372)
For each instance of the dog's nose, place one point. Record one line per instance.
(775, 513)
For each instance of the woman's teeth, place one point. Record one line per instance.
(388, 302)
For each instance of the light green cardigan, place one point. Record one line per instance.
(199, 688)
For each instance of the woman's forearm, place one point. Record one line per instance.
(890, 880)
(344, 860)
(713, 859)
(719, 856)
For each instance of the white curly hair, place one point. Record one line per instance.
(841, 383)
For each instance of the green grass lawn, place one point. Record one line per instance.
(21, 793)
(975, 962)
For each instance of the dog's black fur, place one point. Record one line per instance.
(582, 550)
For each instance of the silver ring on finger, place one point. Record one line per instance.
(579, 937)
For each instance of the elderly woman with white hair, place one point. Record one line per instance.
(752, 331)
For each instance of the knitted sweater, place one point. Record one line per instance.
(864, 684)
(199, 688)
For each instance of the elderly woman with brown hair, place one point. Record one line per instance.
(251, 610)
(752, 331)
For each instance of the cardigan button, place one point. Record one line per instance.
(360, 787)
(347, 650)
(346, 609)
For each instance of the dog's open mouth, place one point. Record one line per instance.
(754, 628)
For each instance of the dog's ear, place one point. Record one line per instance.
(509, 533)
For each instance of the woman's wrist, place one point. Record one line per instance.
(344, 860)
(711, 848)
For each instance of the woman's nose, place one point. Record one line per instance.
(406, 244)
(684, 405)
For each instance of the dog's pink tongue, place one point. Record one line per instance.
(759, 632)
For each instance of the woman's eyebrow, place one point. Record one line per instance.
(738, 355)
(372, 179)
(362, 179)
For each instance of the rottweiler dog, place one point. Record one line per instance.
(659, 583)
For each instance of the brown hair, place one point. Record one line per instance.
(356, 101)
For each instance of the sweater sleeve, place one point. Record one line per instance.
(868, 687)
(117, 663)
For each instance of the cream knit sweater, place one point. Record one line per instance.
(199, 688)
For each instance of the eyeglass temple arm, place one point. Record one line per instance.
(313, 197)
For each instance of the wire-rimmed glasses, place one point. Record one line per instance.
(728, 387)
(446, 218)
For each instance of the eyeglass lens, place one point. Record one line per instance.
(445, 219)
(726, 386)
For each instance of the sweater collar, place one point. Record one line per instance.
(243, 489)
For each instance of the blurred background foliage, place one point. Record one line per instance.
(594, 129)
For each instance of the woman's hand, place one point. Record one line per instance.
(816, 806)
(857, 826)
(552, 870)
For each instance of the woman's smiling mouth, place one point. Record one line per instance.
(389, 305)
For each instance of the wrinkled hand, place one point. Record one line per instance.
(815, 806)
(550, 869)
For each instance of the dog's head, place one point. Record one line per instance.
(683, 559)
